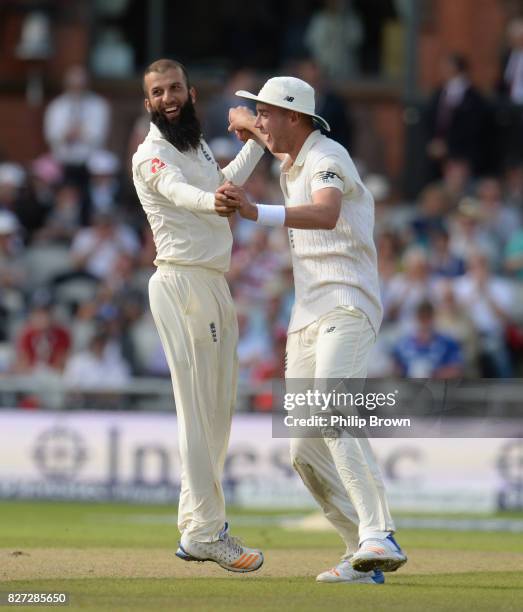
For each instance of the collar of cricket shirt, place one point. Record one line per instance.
(310, 141)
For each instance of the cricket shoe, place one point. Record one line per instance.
(343, 572)
(228, 552)
(378, 554)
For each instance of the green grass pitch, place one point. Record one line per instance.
(121, 557)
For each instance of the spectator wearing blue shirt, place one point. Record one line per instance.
(444, 263)
(427, 353)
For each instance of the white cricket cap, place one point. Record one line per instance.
(288, 92)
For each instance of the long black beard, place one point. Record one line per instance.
(184, 132)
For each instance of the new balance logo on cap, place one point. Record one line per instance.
(289, 98)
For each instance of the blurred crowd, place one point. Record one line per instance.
(76, 252)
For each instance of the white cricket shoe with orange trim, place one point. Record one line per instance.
(344, 572)
(378, 554)
(227, 551)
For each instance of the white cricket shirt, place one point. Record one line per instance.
(176, 191)
(335, 267)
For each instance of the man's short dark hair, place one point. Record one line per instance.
(162, 66)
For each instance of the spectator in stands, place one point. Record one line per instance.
(150, 356)
(12, 268)
(253, 265)
(468, 235)
(426, 353)
(457, 180)
(65, 218)
(43, 343)
(254, 338)
(513, 256)
(497, 219)
(433, 207)
(457, 120)
(513, 184)
(331, 106)
(381, 362)
(130, 310)
(333, 37)
(100, 367)
(452, 319)
(12, 180)
(103, 193)
(513, 69)
(33, 209)
(384, 202)
(443, 262)
(389, 261)
(76, 124)
(407, 290)
(95, 249)
(121, 279)
(13, 273)
(270, 368)
(488, 300)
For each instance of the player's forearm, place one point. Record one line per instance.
(241, 167)
(311, 216)
(306, 216)
(184, 195)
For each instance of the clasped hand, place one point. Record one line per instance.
(230, 198)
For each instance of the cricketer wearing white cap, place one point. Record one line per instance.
(337, 313)
(176, 176)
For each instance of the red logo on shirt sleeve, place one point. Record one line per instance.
(157, 165)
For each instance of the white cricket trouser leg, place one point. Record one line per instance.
(357, 489)
(310, 457)
(196, 320)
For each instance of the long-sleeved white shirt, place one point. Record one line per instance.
(176, 191)
(89, 113)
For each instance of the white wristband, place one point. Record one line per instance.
(269, 214)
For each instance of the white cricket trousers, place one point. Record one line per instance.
(196, 320)
(341, 473)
